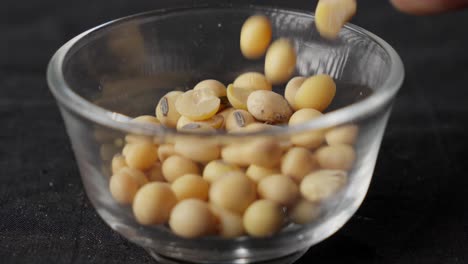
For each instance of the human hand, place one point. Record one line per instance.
(425, 7)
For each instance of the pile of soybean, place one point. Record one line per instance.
(200, 187)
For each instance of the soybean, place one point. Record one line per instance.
(278, 188)
(331, 15)
(255, 36)
(165, 151)
(316, 92)
(280, 61)
(177, 166)
(153, 203)
(166, 111)
(346, 134)
(141, 155)
(297, 163)
(147, 119)
(257, 173)
(336, 157)
(216, 169)
(216, 122)
(215, 86)
(263, 218)
(229, 224)
(135, 174)
(252, 81)
(238, 119)
(198, 104)
(197, 149)
(238, 96)
(268, 106)
(123, 188)
(304, 212)
(192, 218)
(308, 139)
(291, 90)
(132, 138)
(233, 192)
(154, 174)
(263, 152)
(322, 184)
(191, 186)
(118, 162)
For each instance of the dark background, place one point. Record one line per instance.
(417, 207)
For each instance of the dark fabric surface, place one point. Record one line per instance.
(416, 210)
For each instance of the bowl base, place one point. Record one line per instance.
(289, 259)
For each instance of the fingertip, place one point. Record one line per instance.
(410, 7)
(427, 7)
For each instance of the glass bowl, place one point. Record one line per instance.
(106, 76)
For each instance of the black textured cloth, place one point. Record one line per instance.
(416, 210)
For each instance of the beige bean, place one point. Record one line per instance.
(148, 119)
(309, 139)
(238, 96)
(280, 61)
(135, 174)
(153, 203)
(198, 149)
(198, 104)
(253, 127)
(166, 111)
(216, 169)
(132, 138)
(263, 218)
(215, 122)
(256, 173)
(177, 166)
(268, 106)
(118, 162)
(125, 183)
(165, 151)
(226, 112)
(291, 90)
(154, 174)
(141, 155)
(145, 119)
(346, 134)
(217, 87)
(252, 81)
(316, 92)
(183, 121)
(264, 152)
(192, 218)
(322, 184)
(233, 192)
(123, 188)
(304, 212)
(229, 224)
(255, 36)
(126, 149)
(238, 119)
(297, 163)
(336, 157)
(197, 128)
(331, 15)
(278, 188)
(285, 144)
(191, 186)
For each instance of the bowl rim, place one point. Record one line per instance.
(86, 109)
